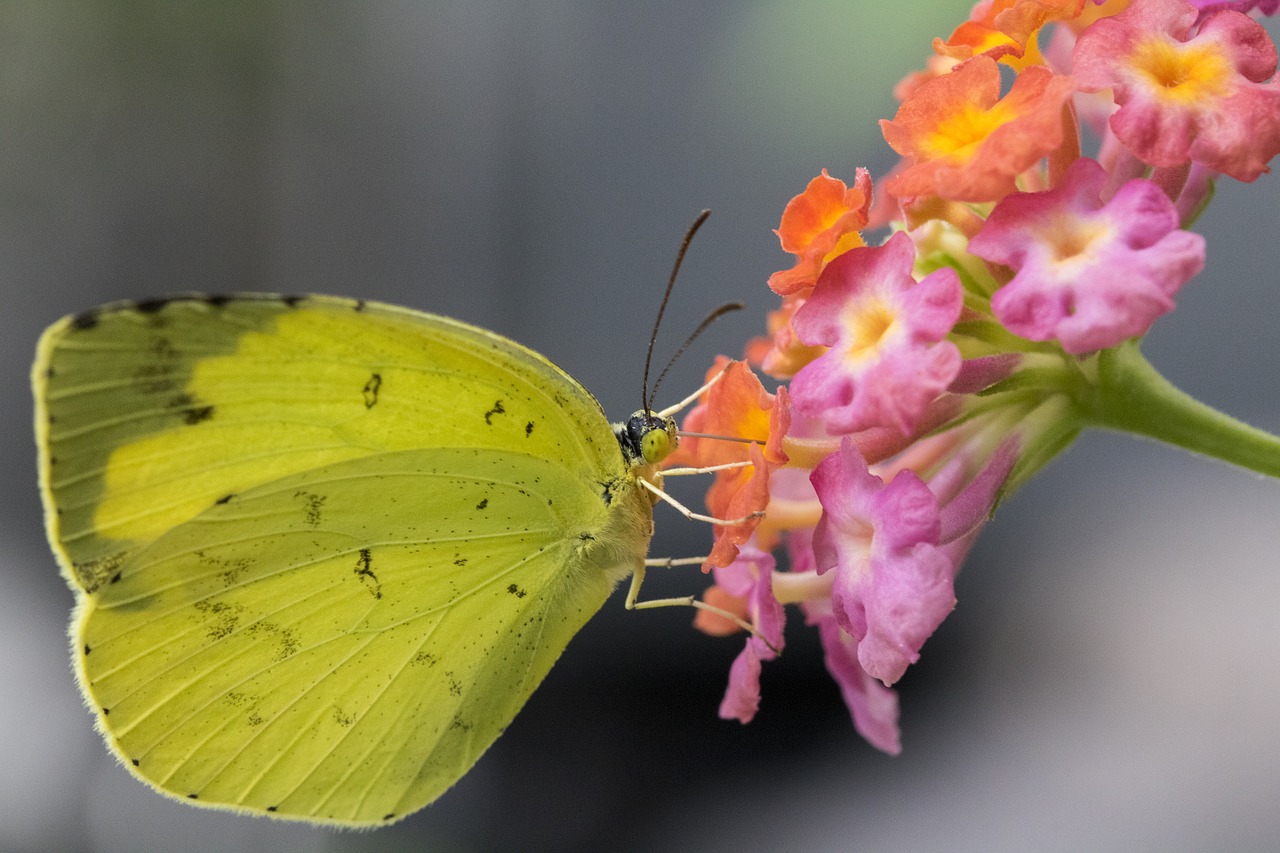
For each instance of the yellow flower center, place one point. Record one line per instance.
(1183, 72)
(1072, 238)
(958, 135)
(868, 324)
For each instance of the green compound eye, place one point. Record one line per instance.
(646, 438)
(657, 444)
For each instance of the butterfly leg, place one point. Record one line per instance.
(697, 516)
(637, 579)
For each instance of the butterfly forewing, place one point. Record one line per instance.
(324, 550)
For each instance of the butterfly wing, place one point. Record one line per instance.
(324, 550)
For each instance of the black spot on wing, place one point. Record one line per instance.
(150, 306)
(360, 305)
(371, 390)
(159, 374)
(311, 504)
(225, 499)
(455, 686)
(293, 301)
(197, 414)
(528, 429)
(484, 502)
(285, 639)
(217, 300)
(219, 618)
(496, 410)
(85, 320)
(364, 571)
(517, 591)
(94, 574)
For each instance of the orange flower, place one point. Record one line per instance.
(782, 354)
(1006, 30)
(819, 224)
(966, 143)
(712, 623)
(737, 406)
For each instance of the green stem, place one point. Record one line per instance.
(1131, 396)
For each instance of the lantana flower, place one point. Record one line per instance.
(888, 358)
(822, 222)
(749, 580)
(1187, 93)
(1088, 274)
(1006, 29)
(934, 373)
(736, 406)
(894, 573)
(964, 142)
(1265, 7)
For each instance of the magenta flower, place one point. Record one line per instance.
(888, 358)
(750, 576)
(1186, 96)
(1265, 7)
(872, 706)
(1088, 274)
(895, 547)
(893, 584)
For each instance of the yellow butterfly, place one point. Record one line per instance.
(324, 549)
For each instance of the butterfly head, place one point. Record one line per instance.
(647, 438)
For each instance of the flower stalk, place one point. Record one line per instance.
(1131, 396)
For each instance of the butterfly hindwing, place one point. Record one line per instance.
(313, 649)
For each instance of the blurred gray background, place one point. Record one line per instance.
(1111, 678)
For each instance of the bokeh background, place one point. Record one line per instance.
(1111, 678)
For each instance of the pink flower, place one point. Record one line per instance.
(1266, 7)
(888, 358)
(872, 706)
(750, 577)
(1088, 274)
(895, 547)
(893, 585)
(1186, 96)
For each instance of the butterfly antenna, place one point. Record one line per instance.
(653, 336)
(727, 308)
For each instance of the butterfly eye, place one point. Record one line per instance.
(658, 440)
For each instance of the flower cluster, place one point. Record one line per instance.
(922, 378)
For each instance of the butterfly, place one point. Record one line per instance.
(323, 549)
